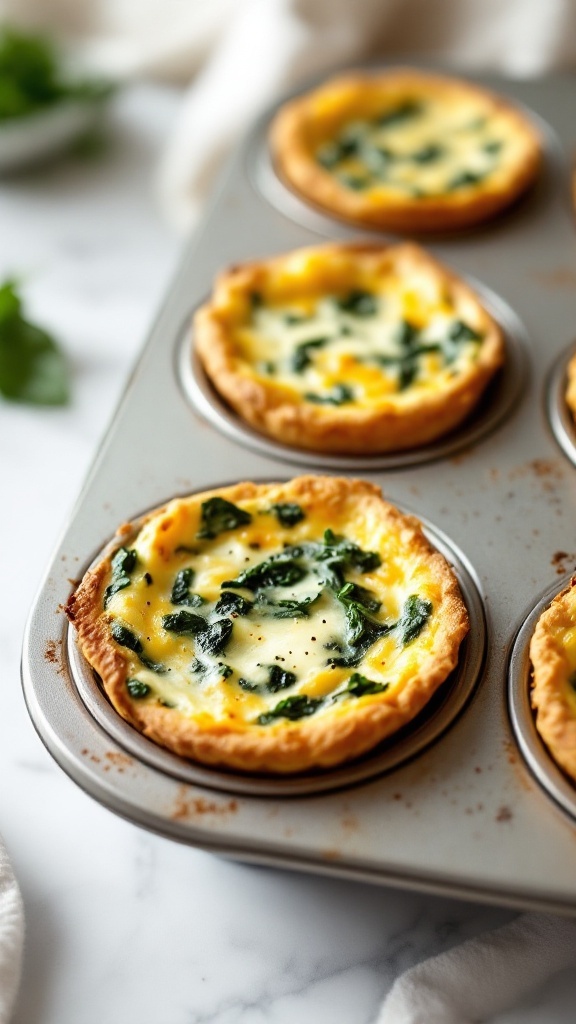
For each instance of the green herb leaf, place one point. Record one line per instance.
(232, 604)
(403, 112)
(301, 357)
(465, 178)
(181, 593)
(220, 516)
(30, 78)
(32, 367)
(286, 609)
(278, 679)
(360, 686)
(293, 708)
(340, 395)
(137, 689)
(360, 595)
(415, 615)
(428, 154)
(288, 513)
(494, 146)
(225, 670)
(123, 563)
(214, 639)
(184, 623)
(126, 638)
(278, 571)
(358, 303)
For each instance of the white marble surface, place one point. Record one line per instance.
(124, 927)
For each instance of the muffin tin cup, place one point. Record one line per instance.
(496, 404)
(443, 709)
(522, 716)
(559, 415)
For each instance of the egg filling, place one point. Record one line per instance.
(257, 614)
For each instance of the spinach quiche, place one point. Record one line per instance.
(271, 628)
(348, 347)
(405, 150)
(553, 694)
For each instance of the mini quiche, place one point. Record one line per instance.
(553, 656)
(405, 150)
(350, 348)
(272, 628)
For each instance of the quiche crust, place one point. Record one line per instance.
(222, 733)
(553, 656)
(381, 419)
(571, 386)
(314, 120)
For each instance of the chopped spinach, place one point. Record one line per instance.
(277, 571)
(301, 357)
(214, 639)
(459, 331)
(494, 146)
(358, 303)
(219, 516)
(415, 615)
(232, 604)
(360, 686)
(225, 670)
(406, 334)
(463, 179)
(354, 181)
(126, 638)
(181, 593)
(362, 632)
(123, 564)
(290, 319)
(286, 609)
(184, 623)
(361, 595)
(293, 708)
(137, 689)
(278, 679)
(403, 112)
(428, 154)
(288, 513)
(341, 394)
(341, 555)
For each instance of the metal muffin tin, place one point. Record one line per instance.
(455, 810)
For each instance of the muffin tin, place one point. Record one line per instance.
(462, 803)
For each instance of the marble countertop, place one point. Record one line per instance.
(124, 926)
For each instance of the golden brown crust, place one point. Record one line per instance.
(571, 386)
(393, 424)
(286, 746)
(551, 694)
(310, 119)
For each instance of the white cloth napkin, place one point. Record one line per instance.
(11, 936)
(483, 976)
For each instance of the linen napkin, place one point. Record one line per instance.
(483, 976)
(11, 936)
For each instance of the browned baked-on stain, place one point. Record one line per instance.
(74, 582)
(118, 760)
(53, 654)
(563, 561)
(331, 854)
(511, 752)
(350, 823)
(504, 814)
(561, 277)
(186, 807)
(93, 757)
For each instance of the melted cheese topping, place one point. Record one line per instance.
(207, 685)
(399, 337)
(422, 148)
